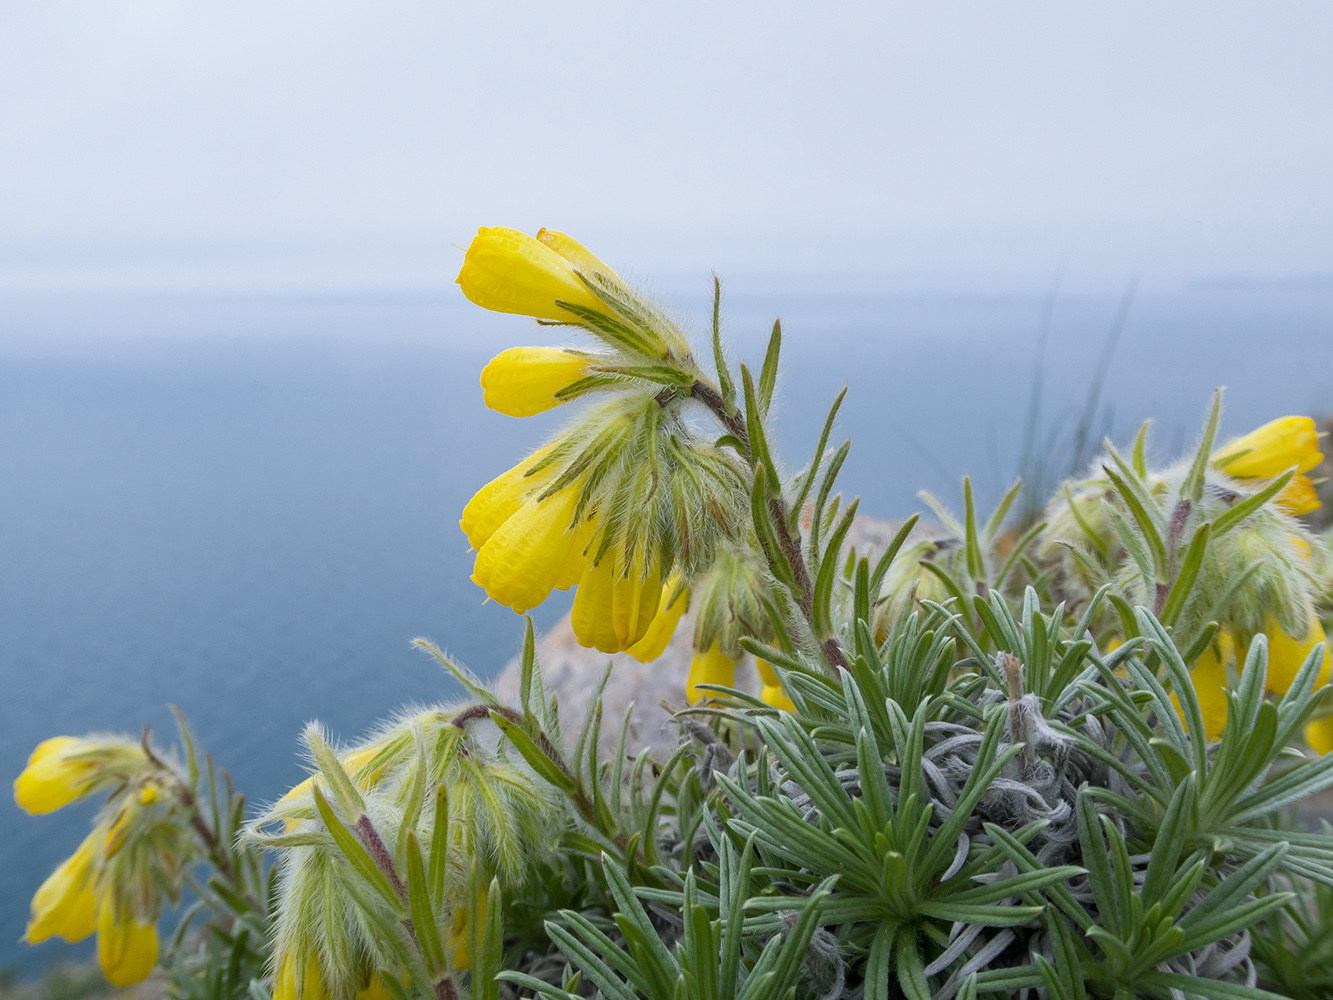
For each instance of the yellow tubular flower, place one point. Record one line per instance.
(65, 906)
(1299, 496)
(773, 693)
(1272, 449)
(525, 558)
(126, 949)
(508, 271)
(523, 381)
(1319, 734)
(613, 609)
(663, 626)
(500, 499)
(61, 770)
(1209, 677)
(311, 986)
(1286, 655)
(712, 667)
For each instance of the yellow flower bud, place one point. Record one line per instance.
(526, 557)
(614, 604)
(1209, 677)
(1272, 449)
(1286, 655)
(508, 271)
(126, 948)
(499, 499)
(1319, 734)
(663, 627)
(65, 906)
(63, 769)
(712, 667)
(523, 381)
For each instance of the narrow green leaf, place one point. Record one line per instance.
(997, 517)
(724, 381)
(1140, 448)
(976, 566)
(812, 472)
(768, 375)
(1141, 507)
(537, 760)
(423, 911)
(1237, 514)
(826, 574)
(1192, 487)
(357, 856)
(1183, 588)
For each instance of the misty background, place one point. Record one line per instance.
(239, 411)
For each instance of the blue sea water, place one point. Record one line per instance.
(246, 504)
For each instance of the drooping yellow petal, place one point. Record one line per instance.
(663, 627)
(126, 949)
(62, 770)
(1299, 496)
(1319, 734)
(523, 381)
(577, 561)
(525, 558)
(614, 606)
(576, 253)
(65, 905)
(508, 271)
(497, 501)
(592, 612)
(712, 667)
(1286, 655)
(1272, 449)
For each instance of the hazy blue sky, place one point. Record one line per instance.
(319, 141)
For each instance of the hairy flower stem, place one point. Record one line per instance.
(779, 515)
(218, 853)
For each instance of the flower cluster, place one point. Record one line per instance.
(1257, 575)
(115, 882)
(423, 815)
(628, 501)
